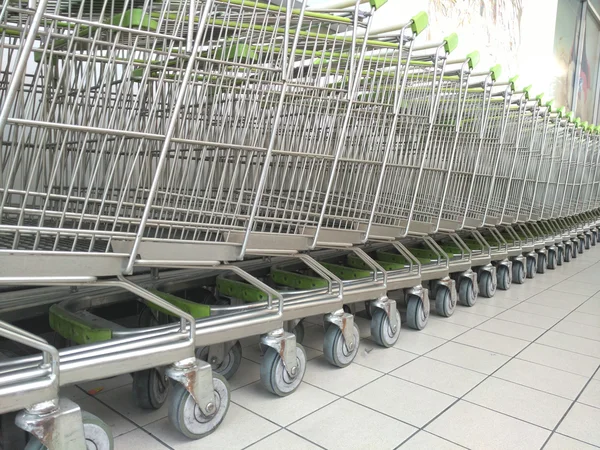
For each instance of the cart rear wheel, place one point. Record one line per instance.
(150, 388)
(98, 435)
(574, 249)
(503, 277)
(541, 263)
(186, 416)
(531, 267)
(275, 378)
(593, 238)
(381, 330)
(518, 275)
(587, 241)
(551, 264)
(581, 245)
(230, 364)
(487, 285)
(567, 253)
(335, 348)
(416, 318)
(559, 256)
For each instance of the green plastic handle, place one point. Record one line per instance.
(495, 72)
(420, 21)
(570, 116)
(451, 42)
(539, 98)
(550, 105)
(527, 91)
(562, 111)
(473, 59)
(376, 4)
(513, 81)
(577, 122)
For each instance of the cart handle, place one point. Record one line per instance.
(472, 60)
(449, 43)
(334, 5)
(418, 23)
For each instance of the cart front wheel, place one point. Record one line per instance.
(382, 331)
(518, 275)
(503, 277)
(581, 245)
(98, 435)
(336, 350)
(150, 388)
(416, 318)
(531, 267)
(230, 364)
(368, 310)
(275, 378)
(587, 241)
(188, 418)
(541, 263)
(487, 286)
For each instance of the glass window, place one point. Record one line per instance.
(565, 50)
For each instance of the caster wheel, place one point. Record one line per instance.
(593, 239)
(188, 419)
(150, 388)
(466, 294)
(368, 310)
(567, 254)
(98, 435)
(487, 285)
(230, 364)
(275, 378)
(299, 332)
(444, 305)
(580, 245)
(381, 331)
(574, 249)
(551, 264)
(541, 263)
(531, 267)
(335, 349)
(503, 277)
(416, 318)
(559, 256)
(518, 272)
(588, 241)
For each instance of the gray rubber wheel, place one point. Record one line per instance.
(275, 378)
(593, 239)
(368, 310)
(551, 264)
(542, 262)
(98, 435)
(574, 250)
(186, 416)
(487, 285)
(503, 277)
(230, 364)
(466, 294)
(335, 349)
(531, 267)
(415, 313)
(581, 245)
(381, 331)
(150, 388)
(567, 253)
(587, 241)
(518, 272)
(299, 332)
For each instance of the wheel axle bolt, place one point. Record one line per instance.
(210, 408)
(294, 371)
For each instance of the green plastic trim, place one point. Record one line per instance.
(577, 122)
(571, 116)
(496, 71)
(195, 309)
(69, 326)
(240, 290)
(451, 42)
(296, 280)
(473, 59)
(397, 258)
(420, 21)
(346, 273)
(512, 81)
(586, 125)
(550, 105)
(562, 111)
(236, 52)
(134, 18)
(377, 3)
(426, 253)
(540, 98)
(356, 262)
(473, 244)
(527, 91)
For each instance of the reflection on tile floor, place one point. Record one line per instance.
(517, 371)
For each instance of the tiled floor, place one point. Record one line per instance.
(518, 371)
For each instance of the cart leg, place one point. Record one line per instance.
(57, 424)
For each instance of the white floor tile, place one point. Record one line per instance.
(382, 359)
(544, 378)
(578, 329)
(339, 381)
(238, 429)
(511, 329)
(404, 401)
(479, 428)
(121, 400)
(571, 343)
(427, 441)
(481, 309)
(542, 310)
(520, 402)
(313, 338)
(592, 306)
(582, 423)
(584, 319)
(577, 287)
(492, 342)
(97, 386)
(591, 394)
(468, 357)
(499, 301)
(283, 439)
(440, 376)
(560, 359)
(414, 341)
(531, 320)
(248, 372)
(560, 442)
(116, 422)
(282, 410)
(345, 425)
(137, 439)
(461, 318)
(443, 329)
(557, 299)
